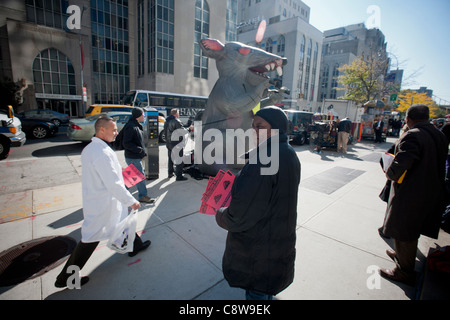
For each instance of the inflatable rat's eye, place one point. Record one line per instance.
(244, 51)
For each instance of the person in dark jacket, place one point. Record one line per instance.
(261, 218)
(344, 129)
(378, 127)
(417, 197)
(134, 146)
(173, 123)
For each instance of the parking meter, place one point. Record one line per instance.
(151, 140)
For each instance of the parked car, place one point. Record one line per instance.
(299, 123)
(38, 129)
(46, 115)
(11, 134)
(83, 129)
(104, 108)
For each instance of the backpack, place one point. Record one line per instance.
(117, 144)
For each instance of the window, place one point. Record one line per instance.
(201, 31)
(53, 73)
(110, 50)
(50, 13)
(334, 81)
(325, 74)
(308, 69)
(314, 70)
(141, 98)
(140, 34)
(161, 30)
(231, 23)
(281, 43)
(269, 45)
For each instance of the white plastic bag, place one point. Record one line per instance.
(123, 236)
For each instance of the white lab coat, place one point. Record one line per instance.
(105, 198)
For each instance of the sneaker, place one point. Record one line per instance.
(181, 178)
(146, 199)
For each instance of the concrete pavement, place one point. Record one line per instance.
(338, 246)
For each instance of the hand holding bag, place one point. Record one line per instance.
(123, 236)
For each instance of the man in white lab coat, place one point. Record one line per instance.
(105, 198)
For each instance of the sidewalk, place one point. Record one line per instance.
(338, 246)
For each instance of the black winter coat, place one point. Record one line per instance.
(172, 124)
(133, 140)
(416, 205)
(261, 223)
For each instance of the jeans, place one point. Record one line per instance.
(255, 295)
(141, 186)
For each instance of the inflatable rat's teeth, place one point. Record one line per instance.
(280, 71)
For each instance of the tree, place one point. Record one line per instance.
(364, 79)
(407, 98)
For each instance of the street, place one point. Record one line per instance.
(42, 163)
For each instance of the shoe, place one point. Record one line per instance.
(146, 199)
(170, 175)
(144, 246)
(63, 284)
(398, 276)
(181, 178)
(391, 254)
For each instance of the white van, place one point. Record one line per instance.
(11, 134)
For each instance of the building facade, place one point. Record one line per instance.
(290, 35)
(340, 47)
(68, 54)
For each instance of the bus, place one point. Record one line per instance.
(188, 105)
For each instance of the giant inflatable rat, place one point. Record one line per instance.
(241, 86)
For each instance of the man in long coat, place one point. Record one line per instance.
(105, 199)
(418, 196)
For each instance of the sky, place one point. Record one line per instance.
(417, 34)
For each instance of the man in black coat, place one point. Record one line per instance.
(173, 124)
(134, 146)
(261, 219)
(417, 197)
(378, 127)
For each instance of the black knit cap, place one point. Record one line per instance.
(275, 117)
(137, 112)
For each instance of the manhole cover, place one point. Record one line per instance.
(31, 259)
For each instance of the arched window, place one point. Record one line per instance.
(53, 73)
(302, 51)
(201, 31)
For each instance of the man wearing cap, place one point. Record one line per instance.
(133, 143)
(261, 218)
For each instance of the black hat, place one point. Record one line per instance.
(137, 112)
(275, 117)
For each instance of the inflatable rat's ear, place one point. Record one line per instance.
(212, 48)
